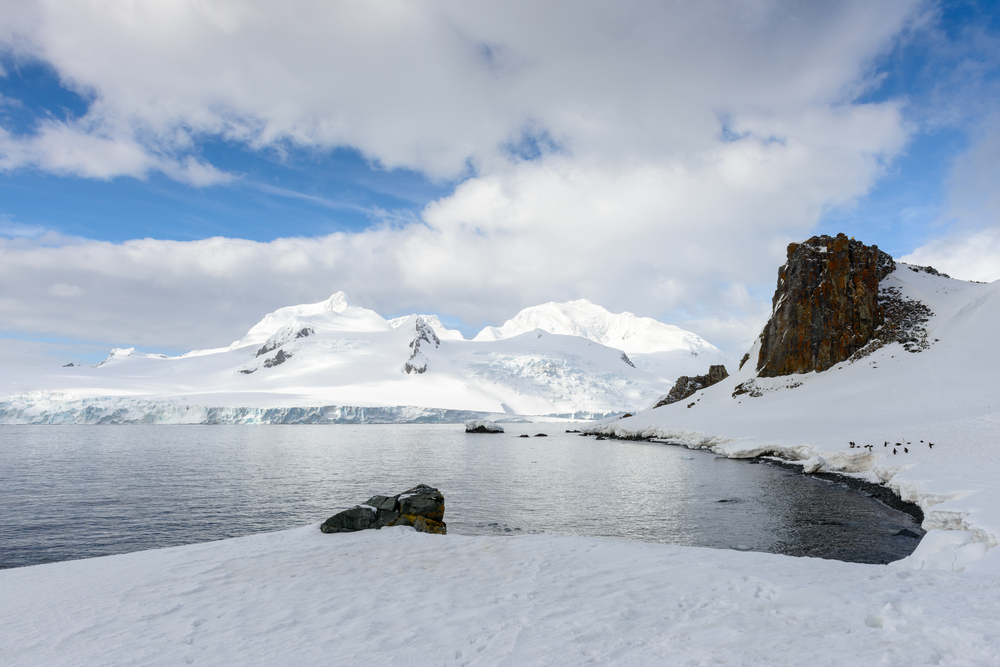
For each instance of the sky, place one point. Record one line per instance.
(171, 171)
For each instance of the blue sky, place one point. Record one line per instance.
(472, 161)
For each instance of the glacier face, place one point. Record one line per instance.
(335, 362)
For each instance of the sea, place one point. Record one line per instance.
(69, 492)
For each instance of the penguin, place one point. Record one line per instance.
(930, 445)
(893, 450)
(905, 450)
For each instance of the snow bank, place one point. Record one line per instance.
(397, 597)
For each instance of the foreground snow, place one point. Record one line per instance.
(397, 597)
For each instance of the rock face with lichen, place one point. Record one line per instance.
(687, 385)
(825, 307)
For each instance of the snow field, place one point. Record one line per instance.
(397, 597)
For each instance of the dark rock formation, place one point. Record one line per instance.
(627, 360)
(277, 359)
(825, 307)
(482, 426)
(903, 322)
(272, 345)
(686, 386)
(417, 363)
(421, 507)
(926, 269)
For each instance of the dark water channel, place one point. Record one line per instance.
(82, 491)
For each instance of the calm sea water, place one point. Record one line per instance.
(82, 491)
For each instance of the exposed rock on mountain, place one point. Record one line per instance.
(277, 359)
(825, 307)
(421, 507)
(283, 337)
(904, 320)
(686, 386)
(417, 363)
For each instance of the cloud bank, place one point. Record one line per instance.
(649, 156)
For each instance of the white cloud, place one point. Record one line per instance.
(973, 256)
(681, 145)
(970, 248)
(64, 291)
(434, 85)
(658, 240)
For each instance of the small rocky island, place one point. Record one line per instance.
(482, 426)
(421, 507)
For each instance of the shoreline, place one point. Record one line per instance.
(880, 492)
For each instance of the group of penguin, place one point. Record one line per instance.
(930, 445)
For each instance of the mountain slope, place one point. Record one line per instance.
(661, 349)
(335, 353)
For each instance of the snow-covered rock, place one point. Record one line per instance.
(482, 426)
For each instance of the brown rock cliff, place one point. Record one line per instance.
(825, 307)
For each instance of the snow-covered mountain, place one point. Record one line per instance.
(336, 361)
(921, 415)
(654, 346)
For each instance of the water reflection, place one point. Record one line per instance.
(82, 491)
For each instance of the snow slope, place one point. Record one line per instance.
(651, 345)
(397, 597)
(948, 395)
(322, 362)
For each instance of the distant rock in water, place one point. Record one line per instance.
(687, 386)
(421, 507)
(825, 307)
(482, 426)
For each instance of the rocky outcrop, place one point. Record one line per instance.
(283, 337)
(686, 385)
(277, 359)
(825, 307)
(421, 507)
(417, 363)
(482, 426)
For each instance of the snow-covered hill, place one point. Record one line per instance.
(659, 348)
(939, 386)
(334, 361)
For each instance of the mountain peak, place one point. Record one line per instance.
(325, 314)
(623, 331)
